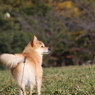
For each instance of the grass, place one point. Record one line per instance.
(72, 80)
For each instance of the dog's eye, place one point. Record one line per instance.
(42, 46)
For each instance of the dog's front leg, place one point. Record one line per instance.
(31, 89)
(39, 83)
(22, 90)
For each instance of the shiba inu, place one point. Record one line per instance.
(26, 66)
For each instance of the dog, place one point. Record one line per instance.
(26, 67)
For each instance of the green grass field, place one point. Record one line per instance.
(72, 80)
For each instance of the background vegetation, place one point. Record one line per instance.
(67, 26)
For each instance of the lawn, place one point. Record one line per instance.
(71, 80)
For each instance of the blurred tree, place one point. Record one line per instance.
(66, 26)
(14, 41)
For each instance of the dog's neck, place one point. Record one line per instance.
(30, 52)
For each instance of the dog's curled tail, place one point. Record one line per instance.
(11, 60)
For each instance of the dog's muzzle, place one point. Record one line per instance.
(49, 50)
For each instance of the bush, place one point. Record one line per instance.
(14, 41)
(38, 9)
(68, 29)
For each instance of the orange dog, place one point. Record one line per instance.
(26, 66)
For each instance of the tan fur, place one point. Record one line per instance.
(31, 71)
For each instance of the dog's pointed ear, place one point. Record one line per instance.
(34, 41)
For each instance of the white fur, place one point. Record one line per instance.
(26, 75)
(11, 60)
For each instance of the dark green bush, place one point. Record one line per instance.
(61, 32)
(38, 9)
(14, 41)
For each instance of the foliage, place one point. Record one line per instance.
(36, 8)
(76, 80)
(67, 26)
(14, 41)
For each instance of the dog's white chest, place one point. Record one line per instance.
(28, 76)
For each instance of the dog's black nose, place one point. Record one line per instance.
(49, 49)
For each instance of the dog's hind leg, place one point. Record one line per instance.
(31, 89)
(39, 82)
(22, 90)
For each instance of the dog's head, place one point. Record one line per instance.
(39, 46)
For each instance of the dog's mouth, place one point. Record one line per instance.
(46, 52)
